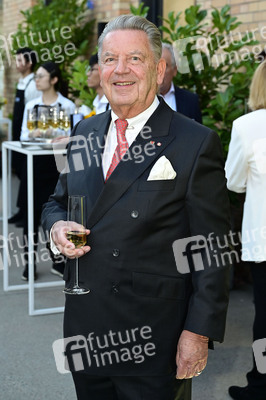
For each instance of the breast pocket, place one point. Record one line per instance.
(168, 184)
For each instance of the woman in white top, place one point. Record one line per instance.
(246, 172)
(48, 81)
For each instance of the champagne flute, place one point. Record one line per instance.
(77, 213)
(64, 121)
(31, 120)
(43, 123)
(54, 120)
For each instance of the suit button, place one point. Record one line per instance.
(134, 214)
(115, 288)
(116, 252)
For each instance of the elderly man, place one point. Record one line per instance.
(156, 199)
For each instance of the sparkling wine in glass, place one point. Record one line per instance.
(31, 120)
(54, 118)
(64, 121)
(77, 213)
(43, 121)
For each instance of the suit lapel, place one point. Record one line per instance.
(128, 171)
(95, 144)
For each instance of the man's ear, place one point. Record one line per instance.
(161, 66)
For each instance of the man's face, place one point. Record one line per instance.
(22, 65)
(93, 77)
(170, 72)
(129, 73)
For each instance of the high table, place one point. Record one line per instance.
(8, 123)
(30, 152)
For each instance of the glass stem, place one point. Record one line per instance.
(77, 273)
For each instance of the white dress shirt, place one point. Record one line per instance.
(135, 125)
(169, 97)
(100, 104)
(28, 85)
(246, 172)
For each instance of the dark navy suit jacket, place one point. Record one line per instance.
(131, 270)
(187, 103)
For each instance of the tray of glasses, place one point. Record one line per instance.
(46, 144)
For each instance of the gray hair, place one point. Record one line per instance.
(169, 47)
(134, 22)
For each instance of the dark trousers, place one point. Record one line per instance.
(131, 388)
(258, 271)
(45, 178)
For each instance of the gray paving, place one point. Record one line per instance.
(27, 366)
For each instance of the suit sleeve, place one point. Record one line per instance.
(236, 166)
(56, 207)
(209, 219)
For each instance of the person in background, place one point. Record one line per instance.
(25, 91)
(48, 80)
(100, 103)
(137, 208)
(246, 172)
(181, 100)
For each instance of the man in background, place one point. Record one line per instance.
(178, 99)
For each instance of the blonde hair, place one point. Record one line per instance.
(257, 92)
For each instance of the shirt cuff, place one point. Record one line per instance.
(53, 247)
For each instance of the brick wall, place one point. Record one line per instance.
(252, 14)
(103, 11)
(11, 19)
(107, 9)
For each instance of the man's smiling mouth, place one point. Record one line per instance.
(124, 83)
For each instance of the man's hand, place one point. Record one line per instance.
(59, 236)
(192, 354)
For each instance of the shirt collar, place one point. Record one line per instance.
(171, 90)
(27, 78)
(144, 116)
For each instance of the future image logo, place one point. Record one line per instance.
(71, 354)
(180, 47)
(78, 353)
(259, 350)
(191, 254)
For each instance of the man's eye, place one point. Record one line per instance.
(109, 60)
(135, 58)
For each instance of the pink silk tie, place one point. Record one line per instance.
(122, 145)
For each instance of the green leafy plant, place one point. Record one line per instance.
(59, 31)
(141, 10)
(213, 60)
(79, 86)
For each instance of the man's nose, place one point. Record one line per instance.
(121, 66)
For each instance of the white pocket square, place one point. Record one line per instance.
(162, 170)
